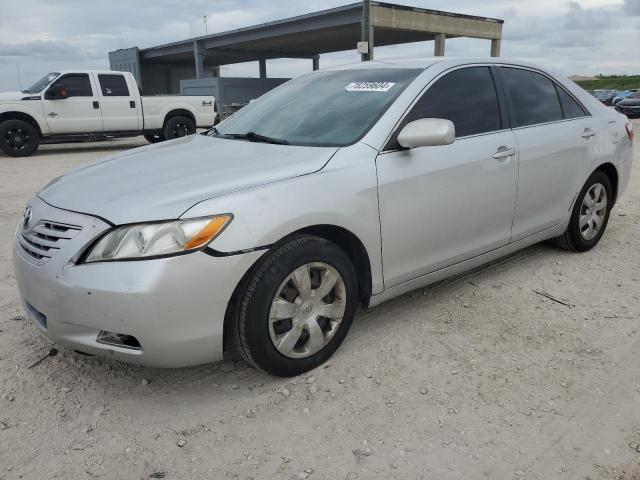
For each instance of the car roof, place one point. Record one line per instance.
(426, 62)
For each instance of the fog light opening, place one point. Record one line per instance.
(119, 340)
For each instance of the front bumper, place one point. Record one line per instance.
(174, 307)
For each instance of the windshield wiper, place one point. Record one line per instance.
(256, 137)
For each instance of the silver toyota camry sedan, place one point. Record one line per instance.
(338, 190)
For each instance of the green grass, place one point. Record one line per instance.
(611, 83)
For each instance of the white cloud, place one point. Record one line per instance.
(583, 36)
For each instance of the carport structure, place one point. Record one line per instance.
(364, 25)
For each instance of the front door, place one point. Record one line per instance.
(79, 112)
(442, 205)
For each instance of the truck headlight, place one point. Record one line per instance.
(152, 240)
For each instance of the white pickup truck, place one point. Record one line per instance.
(95, 103)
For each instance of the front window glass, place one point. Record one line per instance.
(43, 82)
(467, 97)
(76, 84)
(333, 108)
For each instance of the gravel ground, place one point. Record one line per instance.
(477, 377)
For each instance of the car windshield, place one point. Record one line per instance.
(635, 95)
(334, 108)
(43, 82)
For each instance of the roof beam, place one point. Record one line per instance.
(427, 21)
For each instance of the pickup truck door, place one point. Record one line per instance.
(120, 103)
(79, 112)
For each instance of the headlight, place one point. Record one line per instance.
(150, 240)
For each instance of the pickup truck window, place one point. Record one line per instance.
(113, 85)
(77, 84)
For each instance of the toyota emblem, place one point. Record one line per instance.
(26, 218)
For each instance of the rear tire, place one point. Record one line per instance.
(590, 215)
(278, 323)
(154, 138)
(18, 138)
(177, 127)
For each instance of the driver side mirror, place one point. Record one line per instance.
(427, 132)
(57, 92)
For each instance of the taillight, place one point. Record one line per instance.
(629, 128)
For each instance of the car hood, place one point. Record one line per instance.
(12, 96)
(162, 181)
(630, 102)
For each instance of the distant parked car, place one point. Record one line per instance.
(630, 106)
(605, 96)
(76, 104)
(622, 95)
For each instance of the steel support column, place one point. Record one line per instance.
(263, 68)
(495, 47)
(438, 49)
(198, 55)
(367, 30)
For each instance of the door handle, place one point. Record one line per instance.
(132, 104)
(504, 152)
(588, 133)
(96, 105)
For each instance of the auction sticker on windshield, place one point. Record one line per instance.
(369, 86)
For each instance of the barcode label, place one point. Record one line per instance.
(369, 86)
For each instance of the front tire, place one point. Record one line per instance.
(177, 127)
(297, 306)
(590, 215)
(18, 138)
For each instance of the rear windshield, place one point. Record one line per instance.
(334, 108)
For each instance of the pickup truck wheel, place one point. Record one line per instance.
(177, 127)
(155, 138)
(18, 138)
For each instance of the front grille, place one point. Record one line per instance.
(46, 238)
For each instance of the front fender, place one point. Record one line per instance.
(343, 194)
(32, 108)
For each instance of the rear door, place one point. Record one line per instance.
(558, 143)
(445, 204)
(120, 109)
(80, 111)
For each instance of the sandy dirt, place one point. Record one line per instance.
(477, 377)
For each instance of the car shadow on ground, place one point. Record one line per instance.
(233, 374)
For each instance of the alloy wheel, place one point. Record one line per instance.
(307, 310)
(593, 211)
(17, 139)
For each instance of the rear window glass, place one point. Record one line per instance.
(113, 85)
(533, 97)
(570, 107)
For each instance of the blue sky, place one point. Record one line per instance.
(574, 37)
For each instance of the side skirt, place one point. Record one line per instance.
(466, 265)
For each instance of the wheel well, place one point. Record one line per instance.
(354, 248)
(342, 237)
(179, 113)
(21, 116)
(610, 171)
